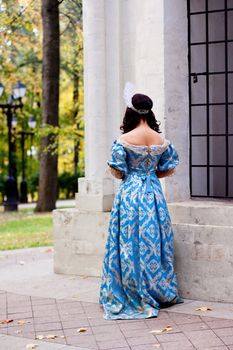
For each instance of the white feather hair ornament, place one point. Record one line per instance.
(129, 91)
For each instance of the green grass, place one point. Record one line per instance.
(25, 229)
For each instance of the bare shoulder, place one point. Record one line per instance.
(142, 136)
(157, 138)
(124, 136)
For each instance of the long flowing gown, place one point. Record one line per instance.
(138, 276)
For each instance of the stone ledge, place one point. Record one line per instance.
(202, 212)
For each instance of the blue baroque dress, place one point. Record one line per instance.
(138, 276)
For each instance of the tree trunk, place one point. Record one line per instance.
(50, 103)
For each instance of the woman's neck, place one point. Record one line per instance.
(142, 124)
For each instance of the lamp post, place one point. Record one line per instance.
(24, 134)
(18, 91)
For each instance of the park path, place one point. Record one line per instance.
(59, 203)
(64, 312)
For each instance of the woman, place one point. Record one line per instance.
(138, 276)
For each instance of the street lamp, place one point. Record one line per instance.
(24, 134)
(18, 91)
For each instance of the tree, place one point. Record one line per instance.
(21, 59)
(50, 105)
(72, 66)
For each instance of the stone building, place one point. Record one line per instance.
(180, 54)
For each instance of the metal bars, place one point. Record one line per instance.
(210, 96)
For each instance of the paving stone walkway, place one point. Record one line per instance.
(57, 321)
(61, 319)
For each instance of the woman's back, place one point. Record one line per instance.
(142, 135)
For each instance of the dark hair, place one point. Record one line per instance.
(132, 118)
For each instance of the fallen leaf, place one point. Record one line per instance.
(31, 346)
(49, 250)
(6, 321)
(203, 308)
(51, 336)
(22, 322)
(40, 337)
(165, 329)
(81, 330)
(21, 262)
(156, 331)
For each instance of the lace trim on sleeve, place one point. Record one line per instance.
(164, 173)
(115, 172)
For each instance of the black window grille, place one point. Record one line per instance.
(210, 43)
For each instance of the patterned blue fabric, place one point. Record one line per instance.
(138, 276)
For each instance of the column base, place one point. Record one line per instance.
(79, 241)
(95, 194)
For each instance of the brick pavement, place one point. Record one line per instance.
(58, 305)
(63, 317)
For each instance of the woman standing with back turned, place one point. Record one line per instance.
(138, 276)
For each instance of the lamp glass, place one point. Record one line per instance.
(32, 122)
(1, 89)
(14, 122)
(19, 90)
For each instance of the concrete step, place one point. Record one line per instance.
(204, 261)
(219, 213)
(204, 234)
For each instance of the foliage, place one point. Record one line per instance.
(20, 59)
(68, 184)
(2, 185)
(33, 183)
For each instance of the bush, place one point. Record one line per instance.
(68, 184)
(2, 186)
(33, 183)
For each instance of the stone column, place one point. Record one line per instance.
(176, 107)
(96, 189)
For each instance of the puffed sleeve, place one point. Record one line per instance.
(168, 161)
(117, 162)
